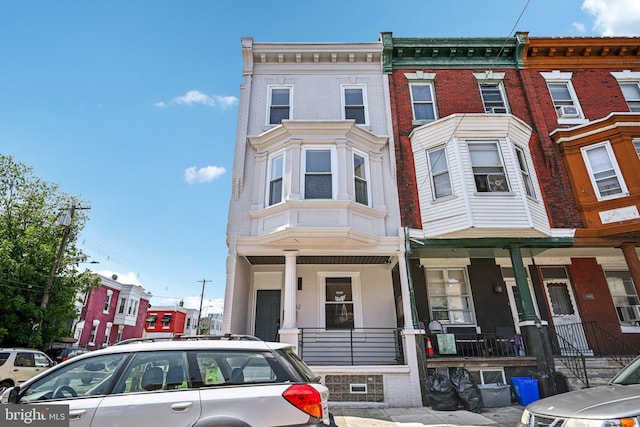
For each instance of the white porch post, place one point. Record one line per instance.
(406, 293)
(289, 331)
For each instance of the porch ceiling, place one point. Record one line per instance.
(321, 259)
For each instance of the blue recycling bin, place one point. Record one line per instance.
(526, 389)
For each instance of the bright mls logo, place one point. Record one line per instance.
(35, 415)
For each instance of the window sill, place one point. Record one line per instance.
(494, 193)
(578, 121)
(421, 122)
(628, 329)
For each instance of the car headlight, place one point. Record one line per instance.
(619, 422)
(524, 418)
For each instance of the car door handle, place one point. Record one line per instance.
(181, 406)
(76, 415)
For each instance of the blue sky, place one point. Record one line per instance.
(131, 105)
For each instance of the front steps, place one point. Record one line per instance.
(599, 369)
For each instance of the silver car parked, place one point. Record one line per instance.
(614, 405)
(195, 381)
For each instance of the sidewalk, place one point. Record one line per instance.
(507, 416)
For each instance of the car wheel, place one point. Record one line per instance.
(5, 385)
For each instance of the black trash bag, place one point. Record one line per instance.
(441, 394)
(467, 390)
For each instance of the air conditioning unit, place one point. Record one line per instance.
(496, 110)
(568, 111)
(497, 183)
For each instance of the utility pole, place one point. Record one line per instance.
(204, 281)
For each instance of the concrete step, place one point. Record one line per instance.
(599, 370)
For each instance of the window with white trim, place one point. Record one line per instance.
(563, 96)
(449, 296)
(338, 305)
(631, 92)
(488, 169)
(354, 101)
(604, 171)
(439, 172)
(625, 297)
(422, 100)
(123, 304)
(318, 174)
(279, 104)
(636, 144)
(107, 301)
(493, 98)
(276, 173)
(524, 172)
(360, 178)
(107, 332)
(94, 331)
(629, 82)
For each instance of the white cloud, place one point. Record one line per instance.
(206, 174)
(129, 278)
(195, 97)
(579, 26)
(614, 17)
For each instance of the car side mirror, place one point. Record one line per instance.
(13, 394)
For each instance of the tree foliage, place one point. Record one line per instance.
(30, 237)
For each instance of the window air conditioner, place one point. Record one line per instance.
(568, 111)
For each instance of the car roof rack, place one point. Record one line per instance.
(225, 337)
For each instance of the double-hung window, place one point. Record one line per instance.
(338, 303)
(279, 104)
(524, 172)
(488, 170)
(354, 101)
(604, 171)
(625, 297)
(563, 96)
(422, 100)
(360, 178)
(276, 172)
(493, 98)
(439, 171)
(636, 144)
(318, 176)
(629, 82)
(107, 301)
(449, 296)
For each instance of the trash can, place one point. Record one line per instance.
(495, 395)
(526, 389)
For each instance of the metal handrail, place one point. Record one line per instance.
(573, 359)
(605, 344)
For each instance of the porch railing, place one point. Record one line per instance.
(360, 346)
(593, 340)
(570, 356)
(477, 345)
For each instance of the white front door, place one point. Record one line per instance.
(566, 319)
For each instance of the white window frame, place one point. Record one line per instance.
(270, 103)
(432, 175)
(523, 168)
(491, 78)
(107, 301)
(636, 145)
(632, 310)
(272, 158)
(334, 171)
(488, 174)
(94, 332)
(415, 102)
(107, 332)
(614, 165)
(466, 295)
(356, 291)
(363, 89)
(366, 179)
(557, 77)
(123, 304)
(629, 77)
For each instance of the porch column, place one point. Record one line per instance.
(633, 262)
(289, 331)
(520, 273)
(407, 297)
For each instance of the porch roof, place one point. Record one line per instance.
(321, 259)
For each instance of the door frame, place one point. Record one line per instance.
(265, 281)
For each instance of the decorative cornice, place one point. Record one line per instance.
(450, 52)
(581, 52)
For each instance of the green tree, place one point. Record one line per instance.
(30, 239)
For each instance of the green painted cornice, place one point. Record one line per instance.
(452, 52)
(504, 243)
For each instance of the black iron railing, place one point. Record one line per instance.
(571, 356)
(475, 345)
(360, 346)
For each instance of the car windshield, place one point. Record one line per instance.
(86, 377)
(629, 375)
